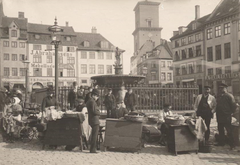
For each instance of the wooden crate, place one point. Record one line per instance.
(180, 138)
(123, 134)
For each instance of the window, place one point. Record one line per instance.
(218, 31)
(209, 54)
(37, 36)
(109, 55)
(198, 50)
(83, 55)
(198, 37)
(227, 69)
(6, 71)
(184, 70)
(92, 69)
(13, 33)
(68, 38)
(37, 72)
(22, 71)
(70, 60)
(194, 26)
(104, 44)
(199, 68)
(153, 64)
(5, 43)
(14, 44)
(21, 44)
(60, 48)
(91, 55)
(209, 33)
(49, 72)
(70, 49)
(163, 64)
(184, 56)
(14, 72)
(49, 59)
(6, 57)
(70, 73)
(190, 52)
(177, 71)
(37, 47)
(163, 76)
(218, 71)
(49, 47)
(83, 68)
(100, 55)
(14, 57)
(218, 52)
(227, 29)
(169, 63)
(190, 39)
(190, 69)
(109, 69)
(227, 50)
(37, 59)
(183, 41)
(177, 56)
(210, 71)
(100, 69)
(149, 23)
(153, 76)
(22, 57)
(60, 59)
(169, 77)
(177, 43)
(84, 81)
(86, 44)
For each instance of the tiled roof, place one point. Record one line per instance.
(164, 45)
(40, 28)
(225, 8)
(189, 30)
(21, 23)
(146, 3)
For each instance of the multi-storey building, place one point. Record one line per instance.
(222, 31)
(96, 56)
(13, 49)
(188, 52)
(147, 42)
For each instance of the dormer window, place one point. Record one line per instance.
(149, 22)
(86, 44)
(104, 44)
(194, 26)
(37, 36)
(68, 38)
(14, 33)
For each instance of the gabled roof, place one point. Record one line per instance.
(21, 23)
(146, 2)
(200, 24)
(225, 8)
(43, 29)
(163, 45)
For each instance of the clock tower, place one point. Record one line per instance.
(146, 24)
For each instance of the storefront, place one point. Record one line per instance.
(10, 83)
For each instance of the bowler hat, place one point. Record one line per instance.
(207, 87)
(119, 102)
(95, 92)
(109, 89)
(222, 85)
(80, 100)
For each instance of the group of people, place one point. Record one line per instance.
(224, 106)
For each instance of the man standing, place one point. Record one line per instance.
(226, 106)
(109, 102)
(121, 95)
(49, 100)
(93, 118)
(88, 96)
(130, 100)
(204, 107)
(119, 111)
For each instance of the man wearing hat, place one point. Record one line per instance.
(204, 107)
(74, 94)
(119, 111)
(226, 106)
(93, 118)
(109, 102)
(130, 100)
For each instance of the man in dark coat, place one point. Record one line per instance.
(49, 100)
(109, 102)
(93, 118)
(88, 95)
(130, 100)
(226, 106)
(119, 111)
(75, 94)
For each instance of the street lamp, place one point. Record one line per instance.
(26, 64)
(55, 29)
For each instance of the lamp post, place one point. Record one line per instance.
(55, 29)
(26, 63)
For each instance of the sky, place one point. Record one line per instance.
(114, 19)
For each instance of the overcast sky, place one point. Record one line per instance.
(114, 19)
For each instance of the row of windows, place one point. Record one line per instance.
(188, 53)
(14, 44)
(6, 71)
(164, 76)
(50, 47)
(38, 59)
(92, 55)
(190, 40)
(163, 64)
(6, 57)
(219, 70)
(92, 69)
(218, 30)
(218, 52)
(188, 70)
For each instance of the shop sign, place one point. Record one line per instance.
(48, 53)
(223, 76)
(51, 79)
(66, 66)
(34, 65)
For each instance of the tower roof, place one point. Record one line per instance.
(146, 2)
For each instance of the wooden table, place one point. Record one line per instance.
(180, 138)
(123, 134)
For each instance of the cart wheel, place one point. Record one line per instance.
(26, 134)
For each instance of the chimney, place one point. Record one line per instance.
(66, 23)
(20, 14)
(197, 12)
(94, 30)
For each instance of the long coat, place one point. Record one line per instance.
(110, 101)
(93, 112)
(73, 96)
(130, 100)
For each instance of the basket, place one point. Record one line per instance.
(153, 119)
(134, 118)
(174, 121)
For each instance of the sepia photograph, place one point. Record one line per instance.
(119, 82)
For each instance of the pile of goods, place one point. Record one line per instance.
(135, 116)
(153, 118)
(175, 120)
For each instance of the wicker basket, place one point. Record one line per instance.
(134, 118)
(174, 121)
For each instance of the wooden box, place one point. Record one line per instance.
(123, 134)
(180, 138)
